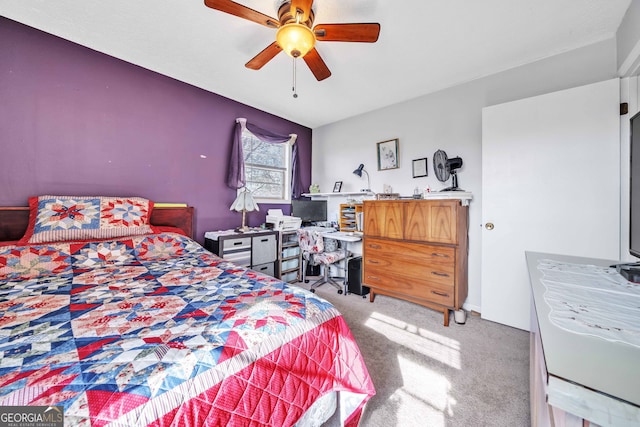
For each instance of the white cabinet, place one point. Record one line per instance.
(256, 250)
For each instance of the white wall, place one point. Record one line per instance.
(449, 120)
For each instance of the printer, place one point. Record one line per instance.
(281, 221)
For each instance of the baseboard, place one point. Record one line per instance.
(471, 308)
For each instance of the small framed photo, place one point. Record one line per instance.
(337, 186)
(420, 168)
(388, 155)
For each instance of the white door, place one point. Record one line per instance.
(550, 183)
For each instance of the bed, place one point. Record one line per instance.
(150, 328)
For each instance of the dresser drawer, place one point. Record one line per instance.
(414, 252)
(426, 262)
(267, 268)
(242, 258)
(412, 285)
(443, 274)
(264, 249)
(240, 243)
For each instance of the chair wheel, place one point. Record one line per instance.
(339, 291)
(364, 296)
(313, 291)
(306, 281)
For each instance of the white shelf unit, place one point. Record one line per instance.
(334, 200)
(343, 194)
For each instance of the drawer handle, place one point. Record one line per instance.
(372, 246)
(440, 255)
(442, 294)
(237, 243)
(373, 278)
(264, 240)
(373, 261)
(437, 273)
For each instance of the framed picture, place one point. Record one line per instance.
(388, 155)
(420, 168)
(337, 186)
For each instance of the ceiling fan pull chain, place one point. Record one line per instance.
(295, 93)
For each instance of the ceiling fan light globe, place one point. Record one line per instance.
(295, 39)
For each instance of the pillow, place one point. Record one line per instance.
(64, 218)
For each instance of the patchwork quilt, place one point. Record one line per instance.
(155, 330)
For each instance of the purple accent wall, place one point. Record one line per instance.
(76, 121)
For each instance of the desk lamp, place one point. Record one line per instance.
(244, 203)
(359, 173)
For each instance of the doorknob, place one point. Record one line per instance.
(489, 226)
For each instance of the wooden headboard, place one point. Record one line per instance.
(14, 220)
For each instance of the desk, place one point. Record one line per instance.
(346, 238)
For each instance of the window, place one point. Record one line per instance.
(267, 169)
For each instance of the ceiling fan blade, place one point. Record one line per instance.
(263, 57)
(365, 33)
(316, 65)
(241, 11)
(304, 6)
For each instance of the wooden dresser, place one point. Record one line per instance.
(417, 250)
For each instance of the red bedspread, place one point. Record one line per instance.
(155, 330)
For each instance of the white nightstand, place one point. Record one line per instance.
(257, 250)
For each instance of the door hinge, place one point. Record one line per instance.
(624, 108)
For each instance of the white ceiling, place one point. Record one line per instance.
(424, 45)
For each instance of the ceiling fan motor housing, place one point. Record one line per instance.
(285, 16)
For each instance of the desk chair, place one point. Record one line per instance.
(317, 250)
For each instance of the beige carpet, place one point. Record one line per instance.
(425, 374)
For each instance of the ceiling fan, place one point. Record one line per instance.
(296, 34)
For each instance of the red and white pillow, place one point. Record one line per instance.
(65, 218)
